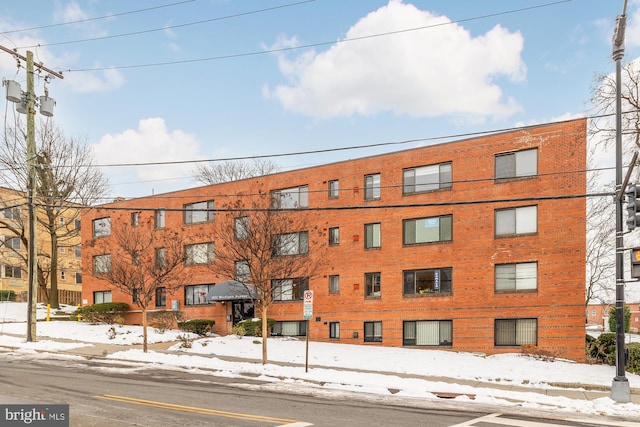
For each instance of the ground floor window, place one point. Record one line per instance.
(334, 330)
(373, 331)
(101, 296)
(196, 294)
(427, 332)
(516, 332)
(290, 329)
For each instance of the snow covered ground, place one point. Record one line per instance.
(338, 368)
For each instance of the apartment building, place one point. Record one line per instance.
(13, 252)
(472, 245)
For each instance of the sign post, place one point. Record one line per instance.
(307, 311)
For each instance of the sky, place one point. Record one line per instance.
(507, 369)
(187, 81)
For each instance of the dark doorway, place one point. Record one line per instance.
(242, 310)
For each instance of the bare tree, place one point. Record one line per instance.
(140, 262)
(216, 173)
(269, 248)
(66, 181)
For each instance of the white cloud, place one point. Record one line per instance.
(632, 31)
(150, 142)
(90, 81)
(436, 71)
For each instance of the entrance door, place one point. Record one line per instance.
(242, 310)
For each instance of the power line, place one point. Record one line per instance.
(325, 43)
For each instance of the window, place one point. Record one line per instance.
(334, 330)
(63, 249)
(159, 218)
(63, 275)
(196, 294)
(372, 235)
(372, 284)
(593, 313)
(334, 236)
(521, 220)
(426, 178)
(101, 227)
(291, 244)
(290, 329)
(427, 230)
(78, 251)
(135, 298)
(243, 274)
(195, 213)
(61, 220)
(516, 164)
(199, 253)
(290, 198)
(12, 242)
(242, 227)
(77, 224)
(427, 282)
(135, 219)
(161, 297)
(101, 296)
(101, 264)
(160, 258)
(135, 257)
(289, 289)
(333, 189)
(373, 331)
(78, 278)
(515, 332)
(12, 213)
(12, 271)
(334, 284)
(372, 187)
(516, 277)
(427, 332)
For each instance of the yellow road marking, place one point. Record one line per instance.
(194, 410)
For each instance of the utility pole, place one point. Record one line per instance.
(620, 390)
(32, 257)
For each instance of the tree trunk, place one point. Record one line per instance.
(144, 330)
(265, 334)
(53, 276)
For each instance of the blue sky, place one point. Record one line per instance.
(362, 72)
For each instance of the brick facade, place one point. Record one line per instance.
(556, 247)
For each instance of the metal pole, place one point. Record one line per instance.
(620, 390)
(31, 190)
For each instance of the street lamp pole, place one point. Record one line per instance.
(620, 390)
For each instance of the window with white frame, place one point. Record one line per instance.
(372, 285)
(61, 220)
(334, 284)
(333, 189)
(63, 275)
(63, 249)
(12, 213)
(290, 328)
(372, 186)
(159, 217)
(290, 198)
(515, 332)
(78, 251)
(372, 235)
(289, 289)
(521, 277)
(427, 333)
(373, 331)
(516, 164)
(520, 220)
(100, 297)
(427, 230)
(199, 253)
(291, 244)
(334, 330)
(431, 281)
(12, 271)
(160, 257)
(196, 294)
(101, 227)
(242, 227)
(426, 178)
(101, 264)
(12, 242)
(195, 213)
(334, 236)
(135, 219)
(78, 278)
(243, 274)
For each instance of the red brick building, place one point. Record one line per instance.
(473, 245)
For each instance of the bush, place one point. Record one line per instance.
(163, 320)
(612, 318)
(633, 365)
(253, 327)
(197, 326)
(6, 295)
(106, 312)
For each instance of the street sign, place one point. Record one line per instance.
(307, 306)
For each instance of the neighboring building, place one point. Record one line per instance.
(13, 252)
(473, 245)
(598, 316)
